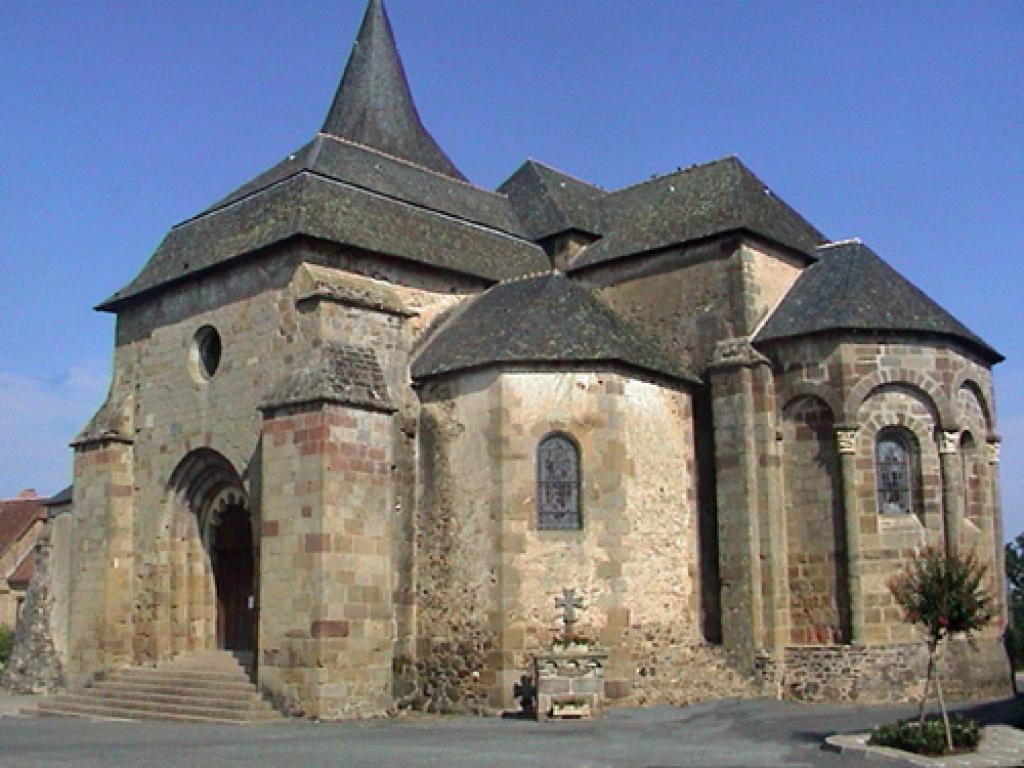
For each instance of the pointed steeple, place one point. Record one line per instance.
(373, 105)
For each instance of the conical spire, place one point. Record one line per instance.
(373, 105)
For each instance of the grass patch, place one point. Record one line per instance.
(930, 739)
(6, 643)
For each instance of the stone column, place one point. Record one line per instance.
(992, 446)
(103, 559)
(327, 620)
(952, 487)
(750, 535)
(846, 444)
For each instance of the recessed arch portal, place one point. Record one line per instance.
(212, 511)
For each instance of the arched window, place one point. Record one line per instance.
(895, 471)
(558, 484)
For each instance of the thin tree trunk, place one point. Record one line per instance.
(927, 683)
(942, 708)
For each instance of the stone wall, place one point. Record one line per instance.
(100, 621)
(816, 536)
(688, 299)
(35, 665)
(326, 632)
(272, 316)
(893, 672)
(942, 396)
(488, 578)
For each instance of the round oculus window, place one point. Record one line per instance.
(206, 351)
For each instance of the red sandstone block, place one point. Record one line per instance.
(269, 528)
(325, 629)
(317, 542)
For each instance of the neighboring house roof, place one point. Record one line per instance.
(851, 288)
(549, 202)
(373, 179)
(17, 516)
(540, 319)
(22, 575)
(698, 202)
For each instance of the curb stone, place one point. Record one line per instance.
(1001, 746)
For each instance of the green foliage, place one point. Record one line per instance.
(944, 594)
(928, 738)
(1015, 594)
(6, 643)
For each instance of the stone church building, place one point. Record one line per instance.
(368, 420)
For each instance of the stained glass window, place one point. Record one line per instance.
(894, 468)
(558, 484)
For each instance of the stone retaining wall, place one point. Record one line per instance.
(894, 672)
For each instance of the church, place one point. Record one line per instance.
(368, 421)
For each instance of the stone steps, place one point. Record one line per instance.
(207, 687)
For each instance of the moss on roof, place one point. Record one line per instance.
(851, 288)
(540, 319)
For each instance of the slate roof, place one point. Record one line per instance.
(60, 502)
(373, 105)
(341, 373)
(373, 179)
(16, 517)
(61, 498)
(549, 202)
(701, 201)
(852, 289)
(540, 319)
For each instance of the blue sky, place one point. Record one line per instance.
(900, 123)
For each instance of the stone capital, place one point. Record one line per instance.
(992, 451)
(949, 441)
(846, 440)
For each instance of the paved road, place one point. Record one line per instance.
(729, 733)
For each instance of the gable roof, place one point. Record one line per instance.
(539, 319)
(549, 202)
(698, 202)
(373, 105)
(17, 516)
(852, 289)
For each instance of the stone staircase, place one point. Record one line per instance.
(202, 687)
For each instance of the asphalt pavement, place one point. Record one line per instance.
(725, 733)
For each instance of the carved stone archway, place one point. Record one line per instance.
(215, 575)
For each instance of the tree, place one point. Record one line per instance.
(943, 594)
(1015, 601)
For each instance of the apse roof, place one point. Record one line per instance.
(851, 288)
(544, 318)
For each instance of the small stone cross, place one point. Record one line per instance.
(568, 602)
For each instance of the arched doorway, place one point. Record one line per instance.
(229, 542)
(220, 578)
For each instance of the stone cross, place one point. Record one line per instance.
(569, 603)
